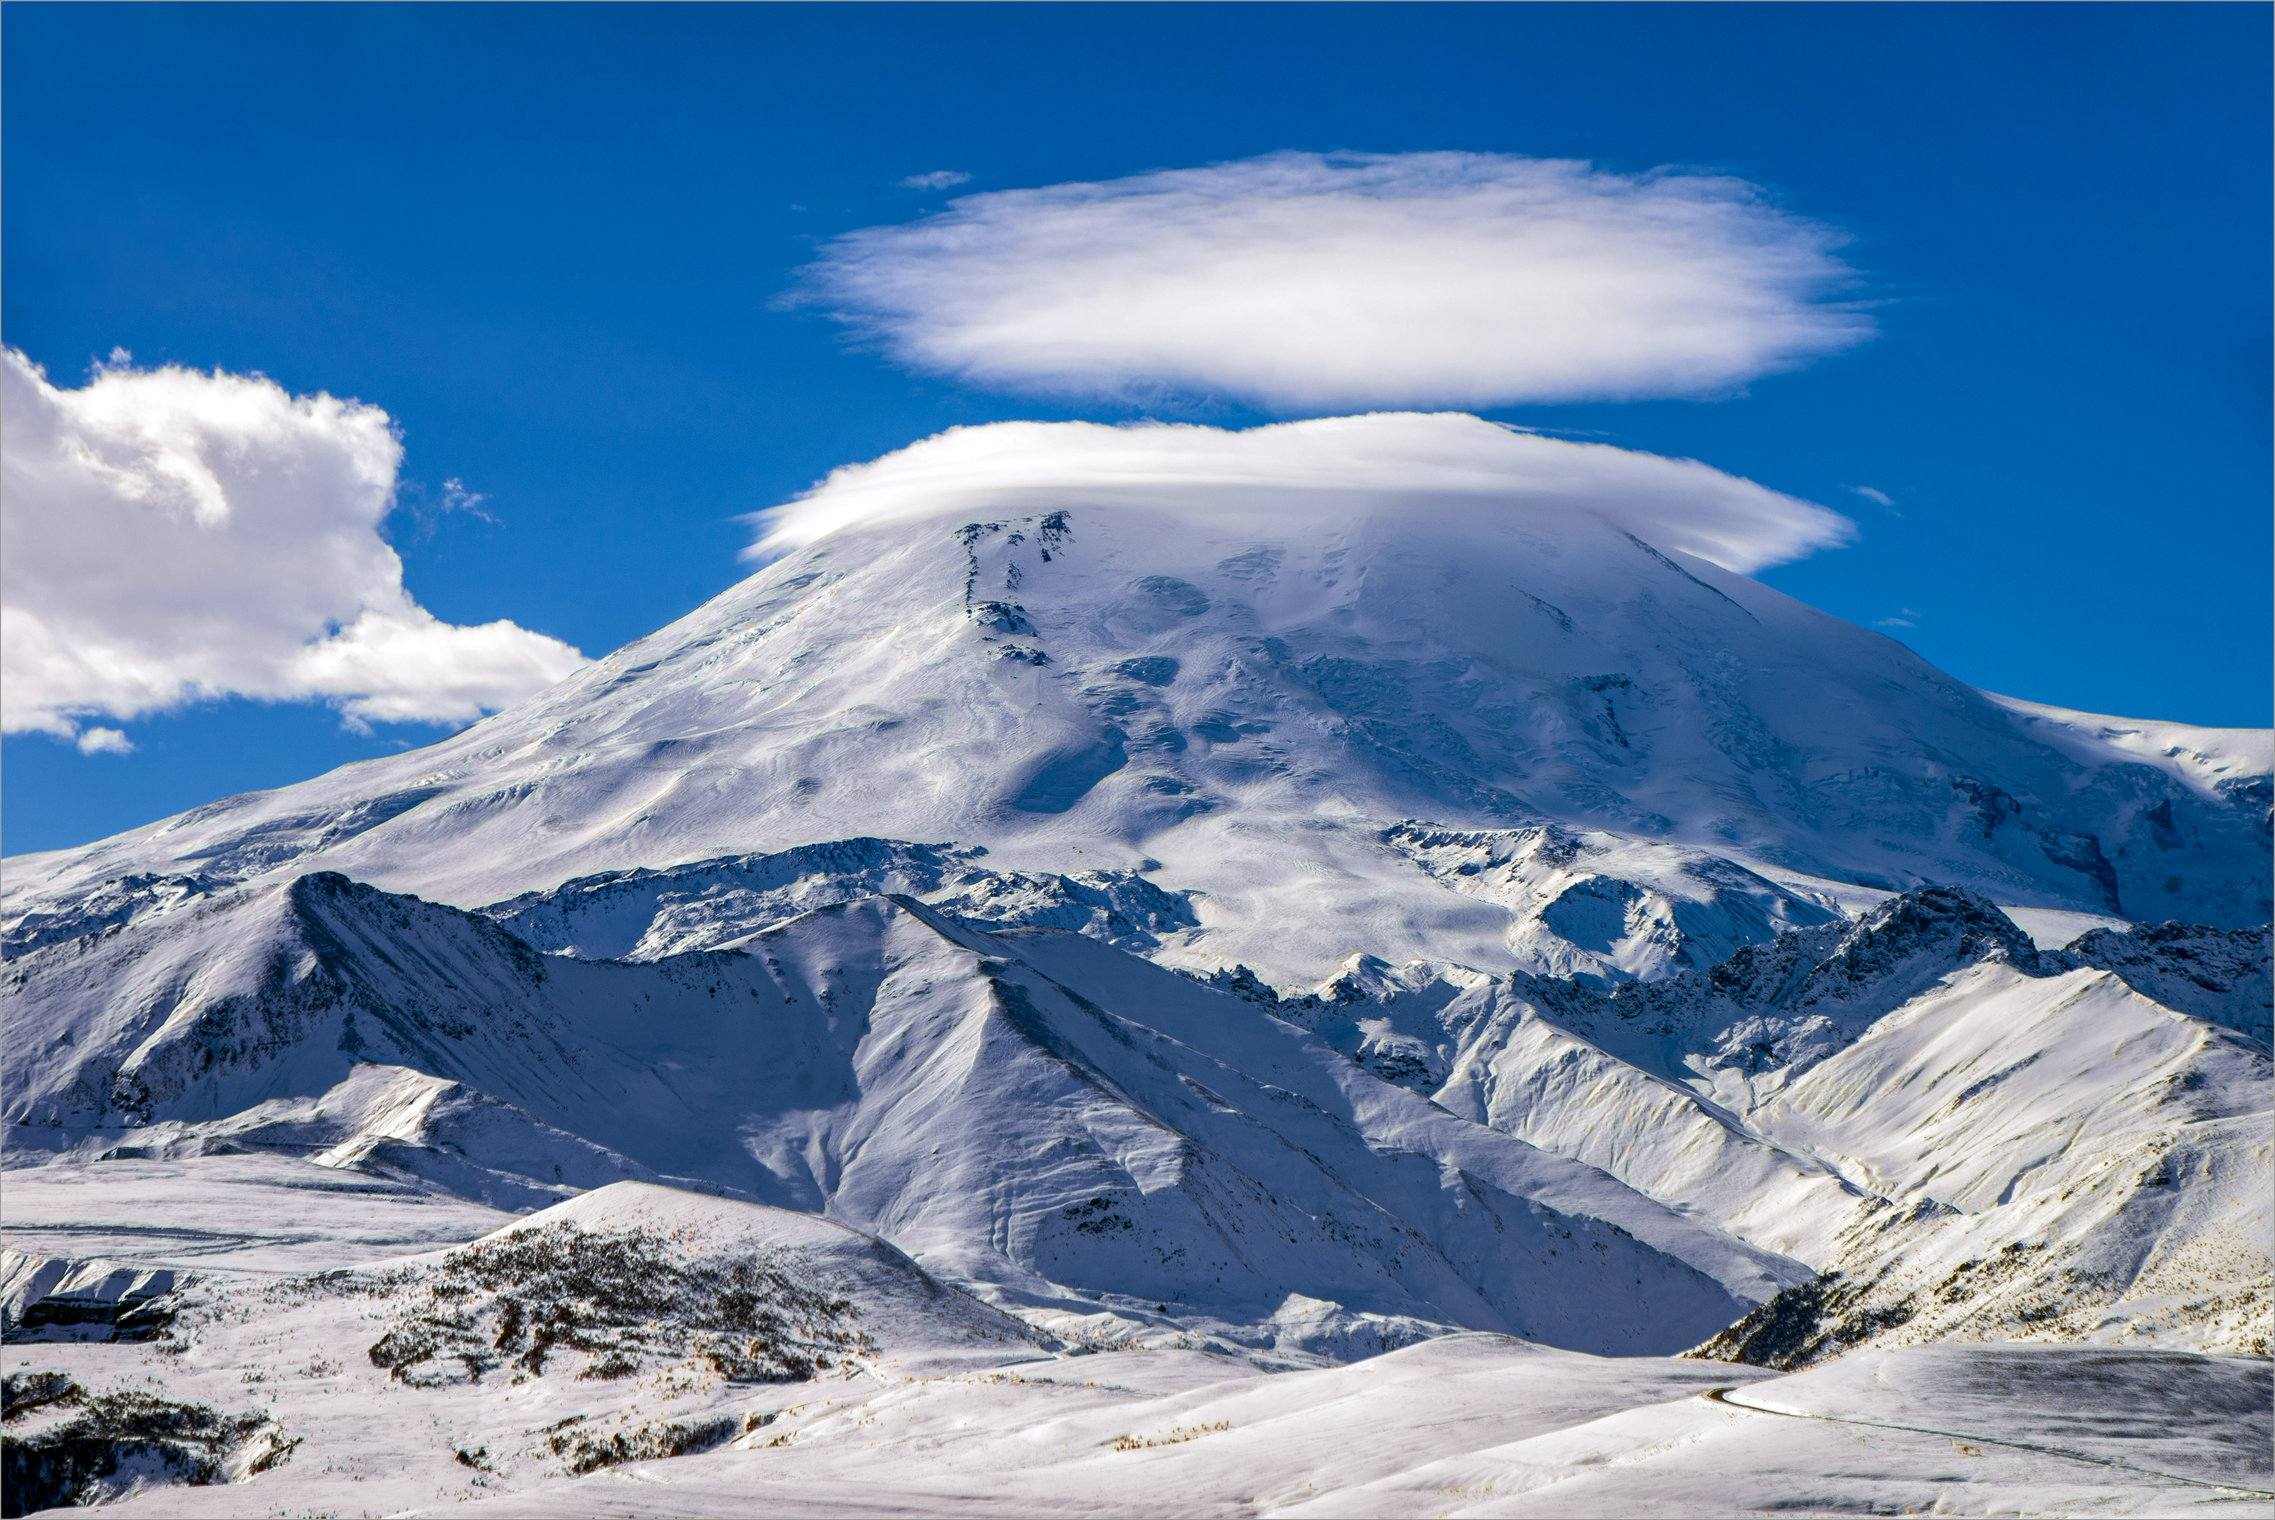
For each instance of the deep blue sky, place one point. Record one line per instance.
(546, 239)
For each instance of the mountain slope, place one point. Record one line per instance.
(1041, 1113)
(1240, 700)
(1656, 991)
(1976, 1138)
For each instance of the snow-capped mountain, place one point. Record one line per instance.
(1239, 693)
(1229, 920)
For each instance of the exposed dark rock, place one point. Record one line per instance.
(79, 1460)
(1805, 1324)
(2217, 974)
(615, 1302)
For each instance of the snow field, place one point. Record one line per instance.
(959, 1412)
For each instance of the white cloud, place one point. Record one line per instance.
(1907, 618)
(938, 179)
(1305, 282)
(105, 741)
(1313, 471)
(1876, 497)
(171, 536)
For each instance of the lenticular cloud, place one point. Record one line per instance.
(172, 535)
(1307, 282)
(1317, 471)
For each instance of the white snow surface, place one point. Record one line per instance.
(1134, 940)
(2205, 756)
(1236, 682)
(1069, 1126)
(950, 1410)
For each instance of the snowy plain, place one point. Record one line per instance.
(951, 1410)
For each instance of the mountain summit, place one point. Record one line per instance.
(1268, 673)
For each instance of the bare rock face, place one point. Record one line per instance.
(2216, 974)
(52, 1298)
(644, 914)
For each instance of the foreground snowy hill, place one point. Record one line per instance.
(1236, 663)
(644, 1351)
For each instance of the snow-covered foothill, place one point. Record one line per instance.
(908, 1318)
(1980, 1139)
(1115, 1150)
(1068, 1126)
(949, 1409)
(394, 1121)
(632, 1322)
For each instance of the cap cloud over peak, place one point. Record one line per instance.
(1442, 464)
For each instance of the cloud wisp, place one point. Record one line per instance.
(1310, 475)
(172, 536)
(1305, 282)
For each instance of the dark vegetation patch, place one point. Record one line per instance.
(1804, 1323)
(111, 1440)
(619, 1301)
(23, 1393)
(584, 1451)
